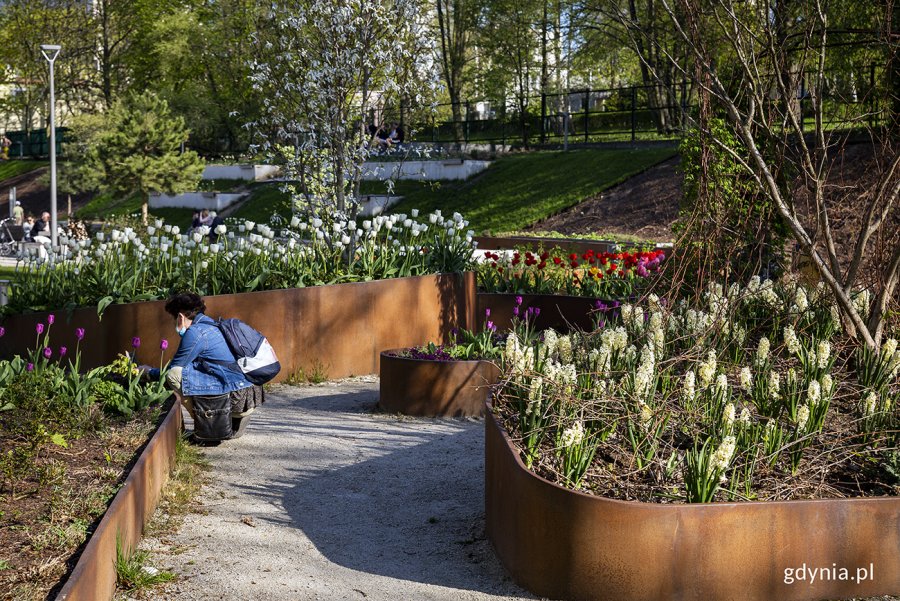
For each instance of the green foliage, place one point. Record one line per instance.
(132, 572)
(520, 189)
(135, 147)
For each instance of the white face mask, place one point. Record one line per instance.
(178, 329)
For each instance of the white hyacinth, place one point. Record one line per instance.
(870, 403)
(572, 436)
(728, 415)
(762, 351)
(746, 378)
(564, 349)
(707, 369)
(813, 393)
(791, 340)
(823, 353)
(774, 385)
(721, 459)
(744, 418)
(802, 416)
(689, 390)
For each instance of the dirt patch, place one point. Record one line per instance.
(33, 191)
(47, 516)
(645, 206)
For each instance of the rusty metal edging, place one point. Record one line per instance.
(558, 311)
(94, 576)
(563, 544)
(434, 388)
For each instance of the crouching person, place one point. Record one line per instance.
(204, 374)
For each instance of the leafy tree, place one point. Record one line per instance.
(136, 148)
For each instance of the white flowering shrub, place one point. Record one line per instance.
(128, 265)
(749, 395)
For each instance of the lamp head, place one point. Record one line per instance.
(50, 51)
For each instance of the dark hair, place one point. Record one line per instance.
(186, 303)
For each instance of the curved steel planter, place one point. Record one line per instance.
(563, 544)
(562, 313)
(435, 388)
(340, 328)
(94, 576)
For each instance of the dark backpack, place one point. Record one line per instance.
(252, 352)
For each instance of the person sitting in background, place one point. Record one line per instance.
(205, 217)
(195, 220)
(41, 229)
(216, 222)
(203, 365)
(397, 134)
(28, 226)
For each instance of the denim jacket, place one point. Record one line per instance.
(208, 367)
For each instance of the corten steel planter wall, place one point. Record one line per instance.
(435, 388)
(341, 327)
(562, 313)
(563, 544)
(569, 245)
(94, 576)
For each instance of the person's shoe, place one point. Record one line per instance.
(192, 439)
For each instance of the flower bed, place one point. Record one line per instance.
(704, 403)
(450, 379)
(66, 438)
(130, 265)
(564, 544)
(592, 274)
(673, 453)
(435, 386)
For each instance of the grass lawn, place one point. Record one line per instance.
(516, 191)
(264, 199)
(15, 167)
(520, 189)
(104, 206)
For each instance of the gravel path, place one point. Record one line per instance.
(323, 498)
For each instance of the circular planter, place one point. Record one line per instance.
(435, 388)
(562, 544)
(560, 312)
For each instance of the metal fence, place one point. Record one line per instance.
(35, 143)
(628, 114)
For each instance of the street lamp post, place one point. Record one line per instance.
(50, 52)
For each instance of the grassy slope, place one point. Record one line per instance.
(105, 205)
(520, 189)
(13, 168)
(514, 192)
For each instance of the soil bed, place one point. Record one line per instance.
(48, 515)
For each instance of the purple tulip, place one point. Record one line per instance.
(516, 310)
(79, 334)
(50, 319)
(62, 351)
(487, 312)
(518, 300)
(163, 344)
(29, 367)
(48, 352)
(2, 331)
(601, 324)
(490, 326)
(39, 328)
(135, 342)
